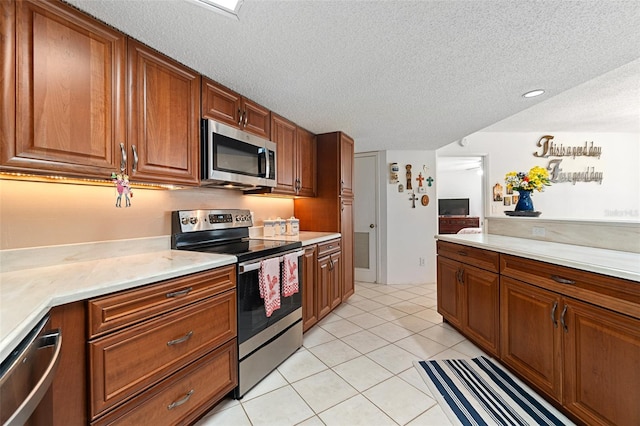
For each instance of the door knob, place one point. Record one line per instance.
(372, 226)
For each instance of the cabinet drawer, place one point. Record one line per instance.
(117, 311)
(128, 361)
(185, 395)
(329, 247)
(484, 259)
(613, 293)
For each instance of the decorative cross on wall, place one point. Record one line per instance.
(429, 180)
(413, 199)
(420, 178)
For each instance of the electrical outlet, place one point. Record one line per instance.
(537, 231)
(421, 261)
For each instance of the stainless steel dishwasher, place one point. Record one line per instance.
(26, 376)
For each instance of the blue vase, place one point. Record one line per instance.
(524, 202)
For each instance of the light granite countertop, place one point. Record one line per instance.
(33, 280)
(613, 263)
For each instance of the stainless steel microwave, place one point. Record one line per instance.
(232, 158)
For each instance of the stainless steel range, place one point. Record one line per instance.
(263, 341)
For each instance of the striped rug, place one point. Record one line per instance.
(479, 392)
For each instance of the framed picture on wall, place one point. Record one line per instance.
(507, 201)
(514, 199)
(497, 192)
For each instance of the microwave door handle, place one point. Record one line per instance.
(268, 163)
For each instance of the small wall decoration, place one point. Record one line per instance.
(425, 200)
(408, 167)
(121, 181)
(393, 177)
(514, 199)
(430, 180)
(507, 201)
(420, 178)
(413, 199)
(400, 188)
(497, 192)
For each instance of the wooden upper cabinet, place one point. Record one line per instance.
(283, 133)
(226, 106)
(7, 79)
(296, 158)
(69, 86)
(164, 114)
(346, 165)
(306, 162)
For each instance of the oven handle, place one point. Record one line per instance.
(255, 265)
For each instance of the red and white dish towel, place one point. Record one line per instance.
(290, 275)
(269, 283)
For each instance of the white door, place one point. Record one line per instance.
(365, 212)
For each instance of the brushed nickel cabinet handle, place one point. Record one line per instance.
(135, 159)
(181, 339)
(179, 292)
(123, 157)
(462, 253)
(553, 314)
(562, 280)
(181, 401)
(564, 324)
(239, 117)
(246, 118)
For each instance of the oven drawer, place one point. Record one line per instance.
(128, 361)
(126, 308)
(329, 247)
(184, 396)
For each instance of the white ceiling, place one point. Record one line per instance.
(407, 74)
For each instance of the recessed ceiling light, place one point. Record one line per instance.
(226, 7)
(533, 93)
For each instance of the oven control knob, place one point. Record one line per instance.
(193, 220)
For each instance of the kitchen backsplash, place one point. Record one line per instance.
(34, 214)
(623, 236)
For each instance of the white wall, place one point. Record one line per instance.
(408, 233)
(462, 184)
(617, 198)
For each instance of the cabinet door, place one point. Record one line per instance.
(69, 93)
(325, 284)
(256, 119)
(449, 290)
(220, 103)
(530, 334)
(601, 365)
(306, 162)
(346, 229)
(283, 133)
(164, 118)
(346, 165)
(7, 79)
(309, 288)
(335, 269)
(482, 307)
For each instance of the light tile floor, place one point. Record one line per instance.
(356, 366)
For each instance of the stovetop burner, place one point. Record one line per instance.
(223, 232)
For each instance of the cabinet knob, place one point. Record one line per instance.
(372, 226)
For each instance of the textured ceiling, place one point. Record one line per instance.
(392, 74)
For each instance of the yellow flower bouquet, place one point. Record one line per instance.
(534, 180)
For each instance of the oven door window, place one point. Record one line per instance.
(252, 318)
(234, 156)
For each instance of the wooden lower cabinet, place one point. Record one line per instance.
(531, 337)
(601, 365)
(585, 357)
(69, 387)
(309, 287)
(184, 396)
(468, 298)
(572, 335)
(155, 335)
